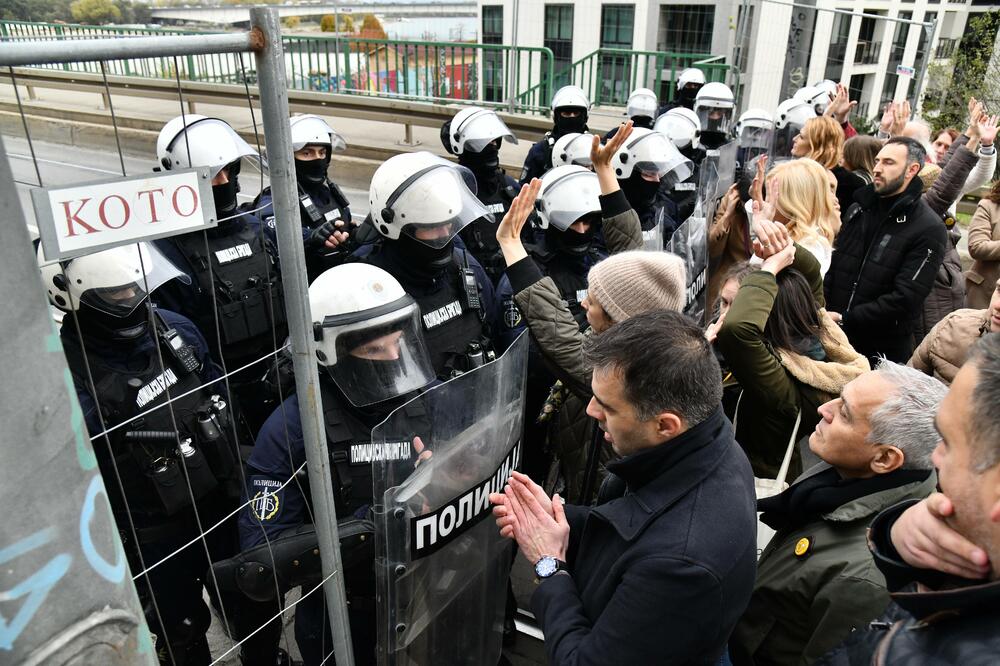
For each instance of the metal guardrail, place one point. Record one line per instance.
(446, 72)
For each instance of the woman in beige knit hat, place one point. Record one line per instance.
(621, 286)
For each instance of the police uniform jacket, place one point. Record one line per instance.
(663, 567)
(948, 620)
(816, 580)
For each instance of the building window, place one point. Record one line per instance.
(888, 89)
(492, 60)
(838, 47)
(899, 37)
(868, 47)
(559, 38)
(686, 28)
(617, 26)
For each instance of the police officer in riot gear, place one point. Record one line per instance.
(640, 108)
(419, 203)
(754, 132)
(475, 135)
(157, 460)
(570, 109)
(372, 359)
(714, 105)
(789, 119)
(677, 200)
(819, 95)
(641, 165)
(689, 83)
(323, 208)
(233, 292)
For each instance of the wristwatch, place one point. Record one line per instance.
(548, 566)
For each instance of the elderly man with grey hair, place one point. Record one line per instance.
(816, 581)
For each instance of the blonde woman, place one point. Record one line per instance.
(822, 139)
(803, 201)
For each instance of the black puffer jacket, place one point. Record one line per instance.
(884, 262)
(953, 621)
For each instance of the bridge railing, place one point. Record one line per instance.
(441, 72)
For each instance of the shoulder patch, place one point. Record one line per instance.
(267, 498)
(511, 314)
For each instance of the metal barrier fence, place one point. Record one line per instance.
(165, 555)
(450, 72)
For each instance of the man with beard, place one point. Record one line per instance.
(324, 210)
(570, 106)
(475, 135)
(419, 202)
(886, 256)
(233, 289)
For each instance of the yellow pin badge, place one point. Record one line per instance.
(803, 546)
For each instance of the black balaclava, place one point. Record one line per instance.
(570, 242)
(103, 326)
(485, 166)
(310, 173)
(686, 96)
(639, 191)
(562, 126)
(642, 121)
(420, 259)
(225, 195)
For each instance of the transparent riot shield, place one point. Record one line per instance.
(441, 565)
(690, 241)
(652, 239)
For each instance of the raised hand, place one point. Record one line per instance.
(988, 129)
(923, 538)
(841, 106)
(885, 125)
(901, 116)
(601, 155)
(509, 229)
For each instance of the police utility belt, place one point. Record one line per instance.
(197, 452)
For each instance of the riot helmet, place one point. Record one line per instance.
(369, 337)
(198, 141)
(830, 88)
(652, 155)
(681, 126)
(108, 290)
(569, 194)
(789, 119)
(818, 98)
(754, 129)
(474, 128)
(689, 83)
(573, 148)
(423, 201)
(570, 99)
(714, 106)
(641, 107)
(311, 130)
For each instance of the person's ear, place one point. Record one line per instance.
(887, 459)
(668, 425)
(992, 481)
(915, 169)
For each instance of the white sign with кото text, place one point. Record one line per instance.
(84, 218)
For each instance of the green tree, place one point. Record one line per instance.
(327, 23)
(95, 11)
(291, 22)
(973, 72)
(346, 23)
(371, 27)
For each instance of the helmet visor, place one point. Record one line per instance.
(125, 279)
(481, 129)
(381, 358)
(755, 137)
(655, 155)
(440, 202)
(715, 119)
(569, 198)
(212, 143)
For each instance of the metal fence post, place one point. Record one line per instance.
(277, 137)
(64, 576)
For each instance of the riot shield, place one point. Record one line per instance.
(690, 241)
(652, 239)
(441, 565)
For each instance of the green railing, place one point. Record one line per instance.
(443, 72)
(609, 75)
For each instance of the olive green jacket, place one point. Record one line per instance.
(777, 383)
(803, 605)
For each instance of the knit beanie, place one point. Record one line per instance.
(630, 283)
(927, 175)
